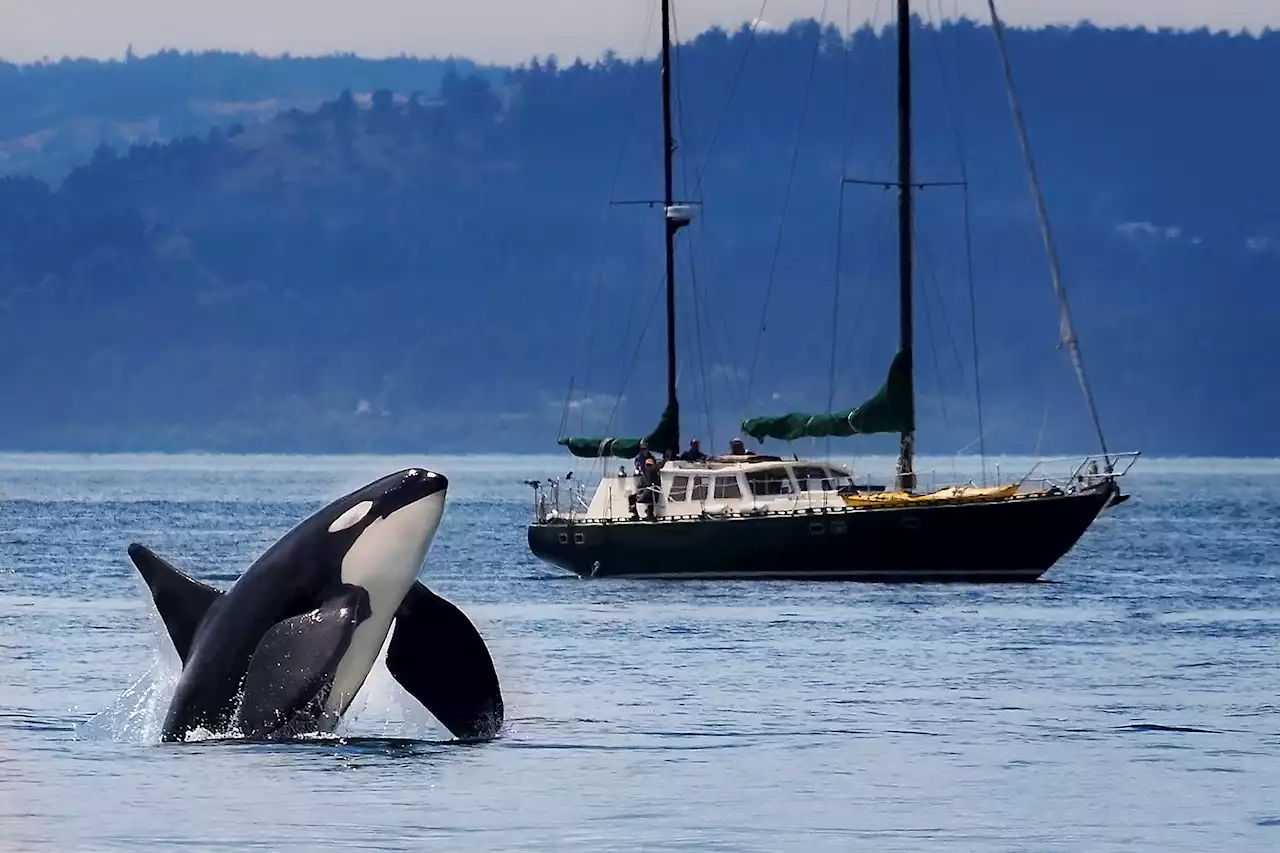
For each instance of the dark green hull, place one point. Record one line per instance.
(1006, 540)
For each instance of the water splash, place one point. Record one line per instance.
(137, 715)
(380, 709)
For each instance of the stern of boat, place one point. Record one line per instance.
(551, 534)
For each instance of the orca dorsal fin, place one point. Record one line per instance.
(181, 601)
(439, 657)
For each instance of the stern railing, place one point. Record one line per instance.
(548, 494)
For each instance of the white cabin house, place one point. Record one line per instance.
(724, 485)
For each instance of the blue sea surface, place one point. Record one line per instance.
(1129, 703)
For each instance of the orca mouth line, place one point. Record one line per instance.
(410, 486)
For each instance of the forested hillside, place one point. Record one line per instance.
(56, 113)
(429, 269)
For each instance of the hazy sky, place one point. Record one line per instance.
(498, 30)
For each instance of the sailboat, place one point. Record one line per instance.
(748, 515)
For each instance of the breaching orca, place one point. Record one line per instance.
(284, 651)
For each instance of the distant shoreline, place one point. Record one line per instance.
(563, 459)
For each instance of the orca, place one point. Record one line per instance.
(284, 651)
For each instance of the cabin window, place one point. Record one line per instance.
(727, 488)
(768, 483)
(843, 481)
(699, 489)
(679, 488)
(812, 478)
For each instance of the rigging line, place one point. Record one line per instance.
(858, 103)
(936, 291)
(635, 354)
(678, 77)
(702, 325)
(704, 320)
(888, 223)
(947, 95)
(845, 42)
(962, 448)
(700, 349)
(930, 277)
(718, 335)
(927, 273)
(1066, 331)
(714, 331)
(786, 201)
(564, 413)
(957, 129)
(623, 365)
(733, 88)
(853, 122)
(695, 289)
(973, 324)
(586, 342)
(721, 346)
(1044, 422)
(835, 306)
(959, 76)
(720, 353)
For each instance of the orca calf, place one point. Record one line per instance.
(284, 651)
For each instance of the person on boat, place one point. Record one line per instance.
(650, 484)
(642, 457)
(737, 448)
(694, 453)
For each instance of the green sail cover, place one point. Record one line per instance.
(665, 438)
(891, 410)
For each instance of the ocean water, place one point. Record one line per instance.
(1130, 703)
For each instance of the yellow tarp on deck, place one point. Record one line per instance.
(951, 494)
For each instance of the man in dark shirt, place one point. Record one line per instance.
(642, 456)
(649, 486)
(694, 453)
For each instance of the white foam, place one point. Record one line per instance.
(137, 715)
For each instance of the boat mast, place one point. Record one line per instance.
(906, 461)
(673, 219)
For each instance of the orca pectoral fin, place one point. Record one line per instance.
(293, 666)
(439, 657)
(181, 601)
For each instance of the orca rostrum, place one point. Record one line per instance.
(284, 651)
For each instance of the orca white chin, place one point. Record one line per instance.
(391, 550)
(385, 561)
